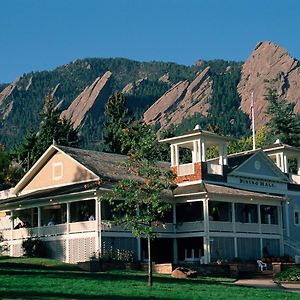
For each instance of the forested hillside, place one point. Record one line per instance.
(142, 82)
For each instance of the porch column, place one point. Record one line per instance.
(172, 149)
(298, 165)
(287, 219)
(260, 231)
(68, 232)
(39, 215)
(12, 225)
(175, 248)
(280, 224)
(279, 161)
(206, 243)
(176, 155)
(175, 251)
(98, 245)
(139, 249)
(203, 152)
(234, 229)
(285, 164)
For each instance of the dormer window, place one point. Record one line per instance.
(57, 170)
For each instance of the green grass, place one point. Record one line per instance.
(22, 278)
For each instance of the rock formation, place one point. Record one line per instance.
(165, 78)
(6, 92)
(268, 62)
(85, 101)
(129, 87)
(182, 101)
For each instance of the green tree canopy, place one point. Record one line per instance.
(52, 129)
(116, 119)
(284, 123)
(137, 202)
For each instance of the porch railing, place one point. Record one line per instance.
(190, 226)
(186, 169)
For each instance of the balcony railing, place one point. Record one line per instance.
(185, 169)
(220, 226)
(295, 178)
(190, 226)
(214, 169)
(186, 227)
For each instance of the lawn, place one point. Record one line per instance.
(23, 278)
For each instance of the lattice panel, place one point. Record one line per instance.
(81, 249)
(17, 250)
(57, 249)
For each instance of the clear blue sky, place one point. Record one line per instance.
(43, 34)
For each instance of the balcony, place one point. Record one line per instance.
(220, 226)
(186, 169)
(190, 227)
(215, 169)
(294, 178)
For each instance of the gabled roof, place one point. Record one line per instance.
(256, 164)
(105, 166)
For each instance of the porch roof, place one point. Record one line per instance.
(208, 188)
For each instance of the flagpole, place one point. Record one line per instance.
(253, 121)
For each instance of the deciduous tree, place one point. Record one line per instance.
(137, 202)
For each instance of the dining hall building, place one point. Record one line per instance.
(241, 206)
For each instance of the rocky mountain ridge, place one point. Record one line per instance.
(164, 94)
(268, 64)
(183, 100)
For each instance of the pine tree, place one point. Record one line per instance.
(52, 129)
(116, 119)
(284, 123)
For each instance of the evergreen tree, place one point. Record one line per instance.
(52, 129)
(284, 123)
(116, 119)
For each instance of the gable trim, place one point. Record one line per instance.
(281, 177)
(40, 163)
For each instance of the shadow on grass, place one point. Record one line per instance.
(106, 276)
(54, 295)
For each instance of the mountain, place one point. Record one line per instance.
(268, 63)
(169, 96)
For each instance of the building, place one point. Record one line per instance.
(242, 206)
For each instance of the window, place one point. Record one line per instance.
(297, 217)
(57, 170)
(246, 213)
(269, 214)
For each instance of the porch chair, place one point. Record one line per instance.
(261, 265)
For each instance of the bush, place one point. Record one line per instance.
(3, 246)
(291, 274)
(110, 254)
(34, 247)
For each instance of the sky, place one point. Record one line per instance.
(38, 35)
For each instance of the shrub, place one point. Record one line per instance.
(291, 274)
(3, 246)
(110, 254)
(34, 247)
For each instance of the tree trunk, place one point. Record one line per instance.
(150, 279)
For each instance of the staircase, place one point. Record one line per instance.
(291, 247)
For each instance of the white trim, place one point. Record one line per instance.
(59, 166)
(40, 163)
